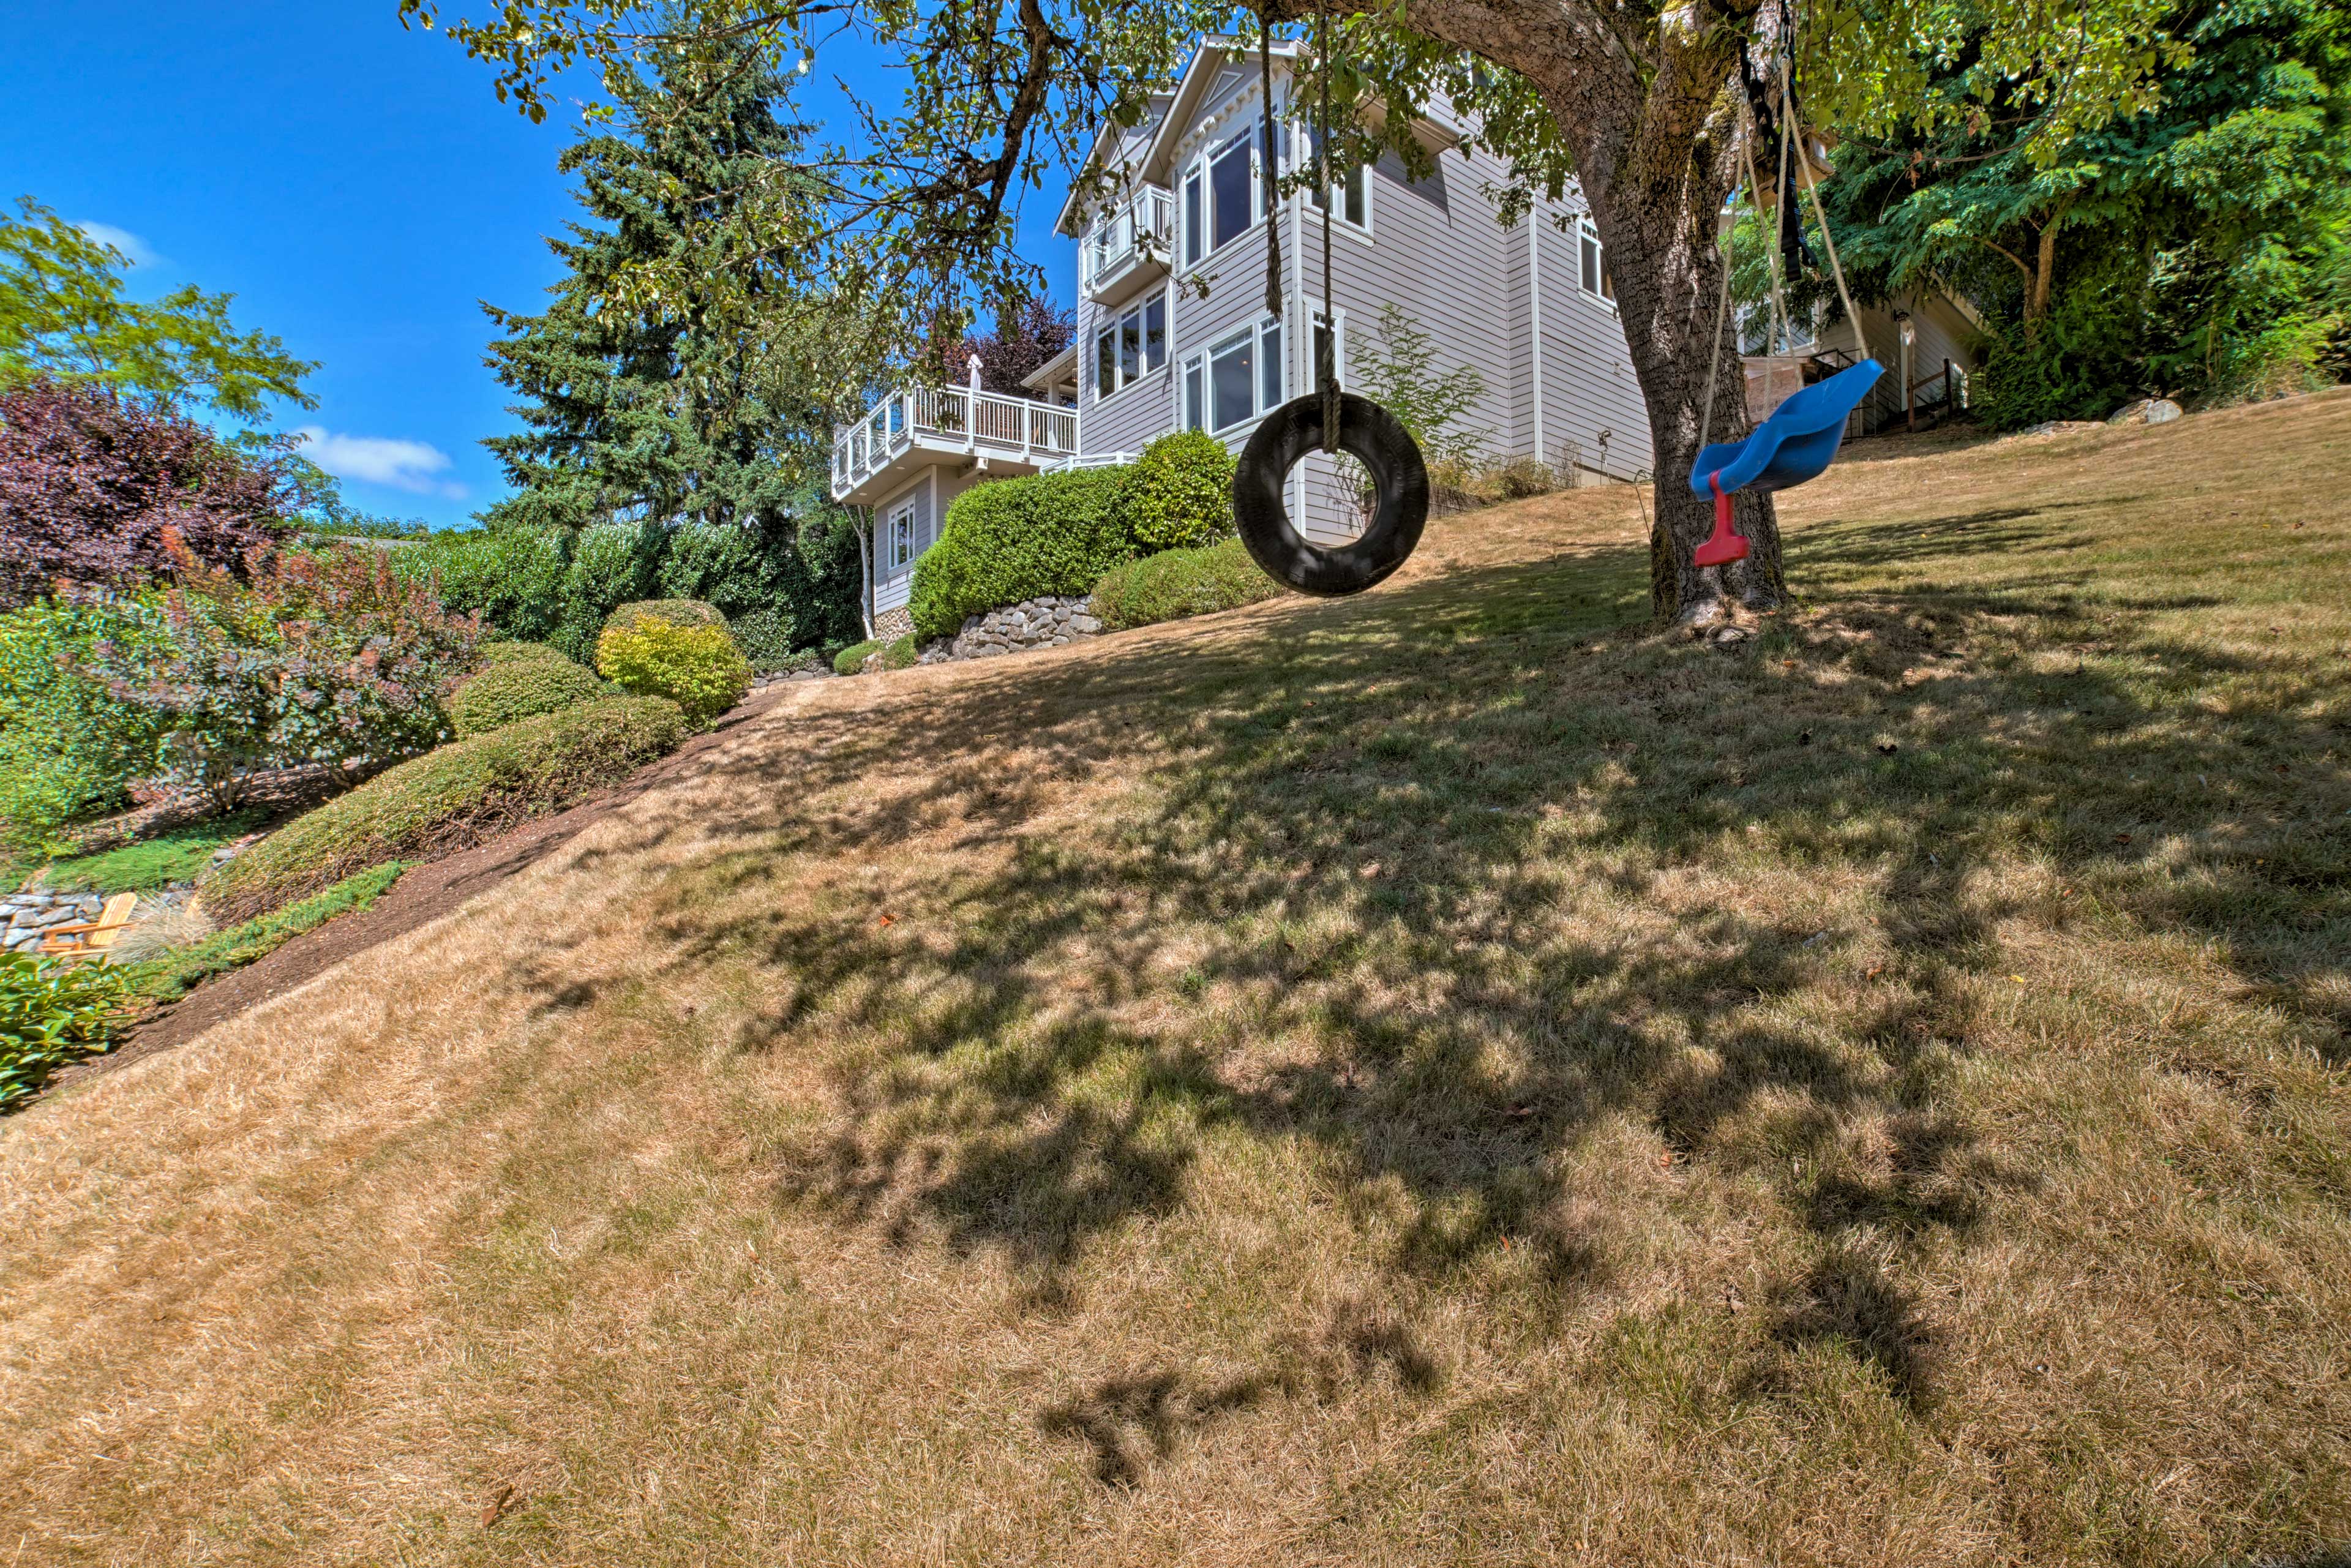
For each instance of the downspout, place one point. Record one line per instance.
(865, 571)
(1534, 302)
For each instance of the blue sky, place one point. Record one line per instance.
(357, 187)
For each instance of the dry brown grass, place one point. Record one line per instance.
(1443, 1077)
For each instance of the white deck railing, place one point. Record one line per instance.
(945, 419)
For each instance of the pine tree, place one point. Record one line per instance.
(634, 413)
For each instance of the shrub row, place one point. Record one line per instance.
(562, 586)
(462, 793)
(1012, 540)
(1179, 582)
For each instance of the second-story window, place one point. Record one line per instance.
(1128, 348)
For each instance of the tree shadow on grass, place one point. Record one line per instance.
(1355, 878)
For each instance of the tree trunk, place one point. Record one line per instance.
(1654, 153)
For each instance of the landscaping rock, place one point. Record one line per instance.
(2146, 411)
(1052, 621)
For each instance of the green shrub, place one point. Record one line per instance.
(1012, 540)
(51, 1014)
(505, 652)
(512, 688)
(167, 860)
(902, 653)
(69, 745)
(610, 566)
(851, 660)
(467, 791)
(1179, 582)
(173, 975)
(765, 638)
(676, 612)
(1178, 494)
(512, 577)
(697, 667)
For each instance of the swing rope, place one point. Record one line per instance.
(1804, 166)
(1326, 344)
(1273, 290)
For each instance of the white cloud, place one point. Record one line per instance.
(141, 253)
(409, 466)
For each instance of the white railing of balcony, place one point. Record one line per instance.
(980, 423)
(1144, 228)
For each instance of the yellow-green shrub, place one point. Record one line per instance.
(697, 667)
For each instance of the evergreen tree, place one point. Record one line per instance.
(633, 411)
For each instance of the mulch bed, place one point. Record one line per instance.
(422, 894)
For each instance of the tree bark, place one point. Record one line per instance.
(1651, 122)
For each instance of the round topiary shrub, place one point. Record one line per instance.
(1178, 494)
(765, 638)
(510, 688)
(697, 667)
(676, 612)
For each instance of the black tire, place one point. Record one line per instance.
(1376, 438)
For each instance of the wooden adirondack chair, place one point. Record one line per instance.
(91, 938)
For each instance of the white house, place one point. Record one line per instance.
(1174, 331)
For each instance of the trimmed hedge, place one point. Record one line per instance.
(513, 688)
(676, 612)
(1179, 492)
(901, 654)
(1180, 582)
(697, 667)
(1011, 539)
(765, 638)
(1057, 533)
(462, 794)
(851, 660)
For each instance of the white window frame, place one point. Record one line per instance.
(1315, 316)
(1586, 236)
(1196, 401)
(1340, 222)
(902, 536)
(1115, 328)
(1199, 242)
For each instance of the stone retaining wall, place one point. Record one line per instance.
(30, 914)
(1050, 621)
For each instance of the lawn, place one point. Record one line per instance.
(1451, 1076)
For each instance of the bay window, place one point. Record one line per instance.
(1129, 346)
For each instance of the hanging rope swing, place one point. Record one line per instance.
(1326, 419)
(1801, 438)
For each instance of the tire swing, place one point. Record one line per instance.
(1326, 419)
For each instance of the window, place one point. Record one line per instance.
(1128, 348)
(1352, 189)
(1338, 348)
(1234, 381)
(1593, 258)
(1232, 189)
(1196, 226)
(902, 536)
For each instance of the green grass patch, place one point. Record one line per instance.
(167, 860)
(1179, 582)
